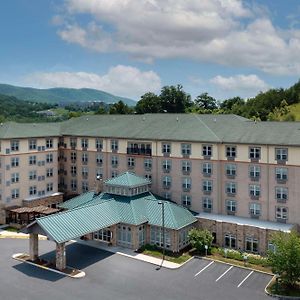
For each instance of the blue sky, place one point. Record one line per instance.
(224, 47)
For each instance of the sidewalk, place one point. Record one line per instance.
(16, 235)
(130, 253)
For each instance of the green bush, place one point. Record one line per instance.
(199, 238)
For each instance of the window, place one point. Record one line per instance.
(230, 188)
(99, 159)
(32, 190)
(84, 143)
(254, 190)
(281, 193)
(85, 186)
(73, 143)
(230, 170)
(167, 182)
(167, 195)
(281, 174)
(32, 144)
(49, 187)
(49, 143)
(99, 173)
(49, 157)
(207, 204)
(207, 185)
(14, 178)
(231, 206)
(114, 144)
(49, 172)
(15, 193)
(207, 150)
(281, 213)
(84, 158)
(254, 209)
(254, 153)
(73, 156)
(99, 144)
(230, 241)
(84, 172)
(73, 170)
(281, 154)
(32, 175)
(130, 162)
(251, 244)
(14, 162)
(207, 168)
(166, 148)
(186, 183)
(14, 145)
(32, 160)
(114, 161)
(73, 185)
(186, 166)
(231, 152)
(186, 149)
(148, 176)
(156, 237)
(254, 172)
(166, 165)
(148, 163)
(186, 200)
(114, 173)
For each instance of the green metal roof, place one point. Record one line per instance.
(128, 179)
(105, 210)
(78, 201)
(176, 127)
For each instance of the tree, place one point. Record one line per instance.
(205, 103)
(285, 259)
(233, 105)
(174, 99)
(120, 108)
(149, 103)
(199, 238)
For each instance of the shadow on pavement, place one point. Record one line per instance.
(78, 256)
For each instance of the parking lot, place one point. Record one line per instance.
(112, 276)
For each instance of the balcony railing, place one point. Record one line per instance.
(139, 151)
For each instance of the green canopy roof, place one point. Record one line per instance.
(128, 179)
(93, 213)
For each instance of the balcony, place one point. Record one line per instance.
(139, 151)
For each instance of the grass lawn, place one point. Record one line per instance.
(281, 290)
(11, 229)
(169, 256)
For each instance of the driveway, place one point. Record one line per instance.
(112, 276)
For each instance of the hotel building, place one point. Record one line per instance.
(241, 177)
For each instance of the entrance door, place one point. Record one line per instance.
(124, 236)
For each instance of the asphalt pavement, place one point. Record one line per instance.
(112, 276)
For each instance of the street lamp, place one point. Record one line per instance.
(206, 247)
(162, 203)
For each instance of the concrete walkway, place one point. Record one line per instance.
(16, 235)
(130, 253)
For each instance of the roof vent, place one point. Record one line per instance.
(87, 119)
(177, 119)
(144, 118)
(215, 120)
(1, 124)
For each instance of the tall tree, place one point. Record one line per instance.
(233, 105)
(205, 103)
(120, 108)
(174, 99)
(285, 259)
(149, 103)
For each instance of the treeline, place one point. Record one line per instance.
(13, 109)
(270, 105)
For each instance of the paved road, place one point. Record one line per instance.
(112, 276)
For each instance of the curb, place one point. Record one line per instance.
(77, 276)
(237, 266)
(281, 297)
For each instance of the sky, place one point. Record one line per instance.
(226, 48)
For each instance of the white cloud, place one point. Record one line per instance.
(120, 80)
(240, 84)
(226, 32)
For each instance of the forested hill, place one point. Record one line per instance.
(61, 95)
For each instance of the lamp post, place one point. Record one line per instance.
(162, 203)
(206, 247)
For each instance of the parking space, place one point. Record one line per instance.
(227, 275)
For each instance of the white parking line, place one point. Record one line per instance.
(245, 279)
(204, 268)
(224, 273)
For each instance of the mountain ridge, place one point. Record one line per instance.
(62, 95)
